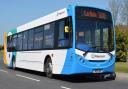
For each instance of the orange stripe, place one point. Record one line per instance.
(5, 49)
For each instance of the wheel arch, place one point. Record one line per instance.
(46, 58)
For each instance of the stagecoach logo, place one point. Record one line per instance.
(97, 56)
(60, 13)
(93, 55)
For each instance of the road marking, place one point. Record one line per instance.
(27, 77)
(4, 71)
(65, 87)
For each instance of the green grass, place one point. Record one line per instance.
(121, 67)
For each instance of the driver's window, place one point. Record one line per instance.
(61, 30)
(63, 38)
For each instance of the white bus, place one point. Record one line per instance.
(74, 40)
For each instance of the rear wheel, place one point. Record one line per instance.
(13, 65)
(48, 68)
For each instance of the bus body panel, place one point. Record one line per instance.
(80, 65)
(10, 55)
(34, 60)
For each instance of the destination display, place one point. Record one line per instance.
(92, 13)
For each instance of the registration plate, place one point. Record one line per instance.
(97, 71)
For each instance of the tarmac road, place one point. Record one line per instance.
(24, 79)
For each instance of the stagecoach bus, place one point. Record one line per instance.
(73, 40)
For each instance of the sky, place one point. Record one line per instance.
(14, 13)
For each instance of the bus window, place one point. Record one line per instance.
(63, 39)
(30, 39)
(9, 43)
(38, 38)
(25, 36)
(48, 36)
(14, 48)
(64, 33)
(19, 41)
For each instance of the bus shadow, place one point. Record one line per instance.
(30, 72)
(78, 79)
(66, 78)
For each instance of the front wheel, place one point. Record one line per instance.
(48, 68)
(111, 76)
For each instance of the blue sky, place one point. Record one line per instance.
(17, 12)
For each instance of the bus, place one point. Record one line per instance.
(70, 41)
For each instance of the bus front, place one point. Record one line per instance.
(94, 41)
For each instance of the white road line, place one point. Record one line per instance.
(27, 77)
(4, 71)
(65, 87)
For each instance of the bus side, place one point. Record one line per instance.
(31, 48)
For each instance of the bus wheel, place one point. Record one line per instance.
(48, 68)
(13, 65)
(113, 76)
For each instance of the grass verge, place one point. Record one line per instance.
(121, 67)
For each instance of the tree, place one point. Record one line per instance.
(124, 14)
(121, 45)
(115, 7)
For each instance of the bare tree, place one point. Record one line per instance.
(124, 14)
(115, 7)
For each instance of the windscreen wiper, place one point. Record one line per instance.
(110, 54)
(86, 52)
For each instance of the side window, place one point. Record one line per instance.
(48, 36)
(19, 41)
(25, 37)
(30, 39)
(38, 38)
(14, 48)
(63, 38)
(9, 43)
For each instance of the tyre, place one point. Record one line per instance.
(48, 68)
(113, 76)
(13, 65)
